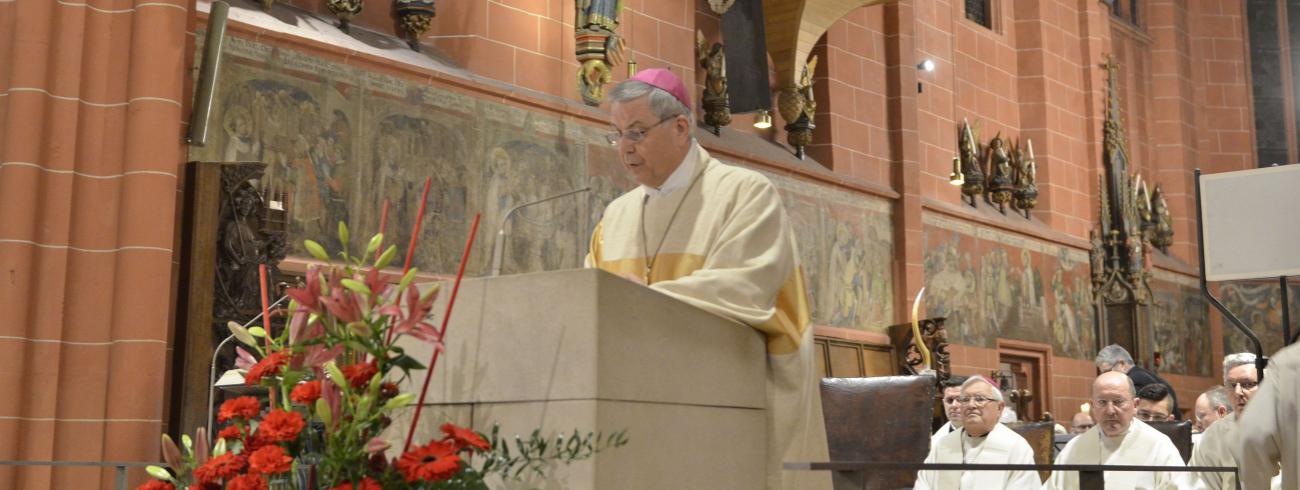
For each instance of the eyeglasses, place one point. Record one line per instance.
(1149, 416)
(1118, 404)
(977, 400)
(634, 136)
(1244, 385)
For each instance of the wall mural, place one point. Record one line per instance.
(338, 140)
(1258, 305)
(1180, 317)
(990, 284)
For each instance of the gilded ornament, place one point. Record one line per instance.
(415, 17)
(345, 10)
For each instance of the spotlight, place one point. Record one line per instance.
(956, 177)
(764, 119)
(927, 65)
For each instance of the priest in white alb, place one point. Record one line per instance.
(1217, 442)
(1120, 439)
(717, 237)
(981, 440)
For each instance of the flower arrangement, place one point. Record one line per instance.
(332, 377)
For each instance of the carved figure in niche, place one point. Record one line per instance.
(1026, 173)
(973, 185)
(798, 107)
(242, 250)
(597, 47)
(1000, 181)
(1097, 257)
(716, 102)
(1142, 203)
(1163, 234)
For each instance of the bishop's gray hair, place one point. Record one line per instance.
(1111, 355)
(1218, 397)
(662, 103)
(1233, 360)
(997, 394)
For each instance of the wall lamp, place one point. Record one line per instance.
(926, 65)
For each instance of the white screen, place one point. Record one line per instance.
(1251, 220)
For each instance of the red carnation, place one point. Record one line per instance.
(219, 468)
(360, 374)
(463, 437)
(269, 460)
(247, 482)
(230, 433)
(366, 484)
(280, 426)
(435, 461)
(269, 365)
(156, 485)
(244, 407)
(306, 393)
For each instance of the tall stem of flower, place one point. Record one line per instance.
(266, 316)
(428, 375)
(383, 223)
(415, 228)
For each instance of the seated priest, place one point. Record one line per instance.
(1081, 423)
(717, 237)
(1115, 358)
(1118, 439)
(1211, 406)
(951, 390)
(1216, 447)
(1154, 404)
(981, 440)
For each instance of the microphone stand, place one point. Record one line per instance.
(499, 247)
(212, 370)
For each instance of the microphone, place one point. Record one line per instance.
(499, 247)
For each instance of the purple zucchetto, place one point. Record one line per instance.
(667, 81)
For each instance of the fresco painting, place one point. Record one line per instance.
(992, 285)
(1258, 305)
(1181, 321)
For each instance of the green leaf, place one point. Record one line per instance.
(375, 242)
(424, 296)
(387, 257)
(407, 363)
(158, 472)
(316, 250)
(356, 286)
(220, 448)
(241, 333)
(257, 332)
(356, 346)
(343, 234)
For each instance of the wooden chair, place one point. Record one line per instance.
(1180, 433)
(1040, 436)
(879, 419)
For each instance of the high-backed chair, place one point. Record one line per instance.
(1040, 436)
(1180, 432)
(879, 419)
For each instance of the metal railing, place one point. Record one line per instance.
(120, 466)
(1091, 476)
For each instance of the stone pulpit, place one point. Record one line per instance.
(589, 351)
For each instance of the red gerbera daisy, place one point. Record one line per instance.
(280, 426)
(269, 460)
(463, 437)
(230, 433)
(359, 374)
(156, 485)
(247, 482)
(306, 393)
(219, 468)
(244, 407)
(269, 365)
(366, 484)
(435, 461)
